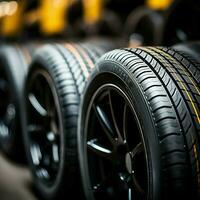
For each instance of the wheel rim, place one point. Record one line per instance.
(43, 127)
(7, 110)
(116, 155)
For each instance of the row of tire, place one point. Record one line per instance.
(145, 22)
(120, 124)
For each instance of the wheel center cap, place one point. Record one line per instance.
(128, 160)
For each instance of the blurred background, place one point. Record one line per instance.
(147, 21)
(26, 20)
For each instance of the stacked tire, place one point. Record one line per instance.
(55, 82)
(139, 126)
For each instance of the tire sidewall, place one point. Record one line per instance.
(42, 62)
(15, 69)
(114, 73)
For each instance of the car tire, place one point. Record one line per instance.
(161, 118)
(14, 65)
(55, 82)
(144, 25)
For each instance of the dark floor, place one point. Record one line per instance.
(15, 181)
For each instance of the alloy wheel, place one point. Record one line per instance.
(116, 155)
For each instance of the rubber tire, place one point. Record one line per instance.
(69, 66)
(149, 80)
(145, 17)
(188, 56)
(14, 61)
(175, 19)
(189, 51)
(108, 25)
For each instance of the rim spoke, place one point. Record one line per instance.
(137, 186)
(105, 123)
(4, 132)
(125, 121)
(53, 141)
(55, 153)
(33, 128)
(52, 147)
(43, 173)
(99, 150)
(137, 150)
(129, 194)
(36, 154)
(120, 137)
(37, 106)
(54, 126)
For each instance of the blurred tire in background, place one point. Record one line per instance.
(181, 23)
(56, 79)
(13, 70)
(143, 27)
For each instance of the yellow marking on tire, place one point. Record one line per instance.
(183, 68)
(183, 86)
(78, 57)
(186, 73)
(87, 58)
(26, 54)
(197, 162)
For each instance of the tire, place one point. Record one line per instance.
(177, 26)
(187, 55)
(14, 64)
(144, 25)
(146, 83)
(58, 74)
(108, 25)
(190, 51)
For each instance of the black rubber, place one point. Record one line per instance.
(187, 55)
(145, 23)
(68, 67)
(109, 24)
(190, 51)
(179, 27)
(160, 93)
(14, 63)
